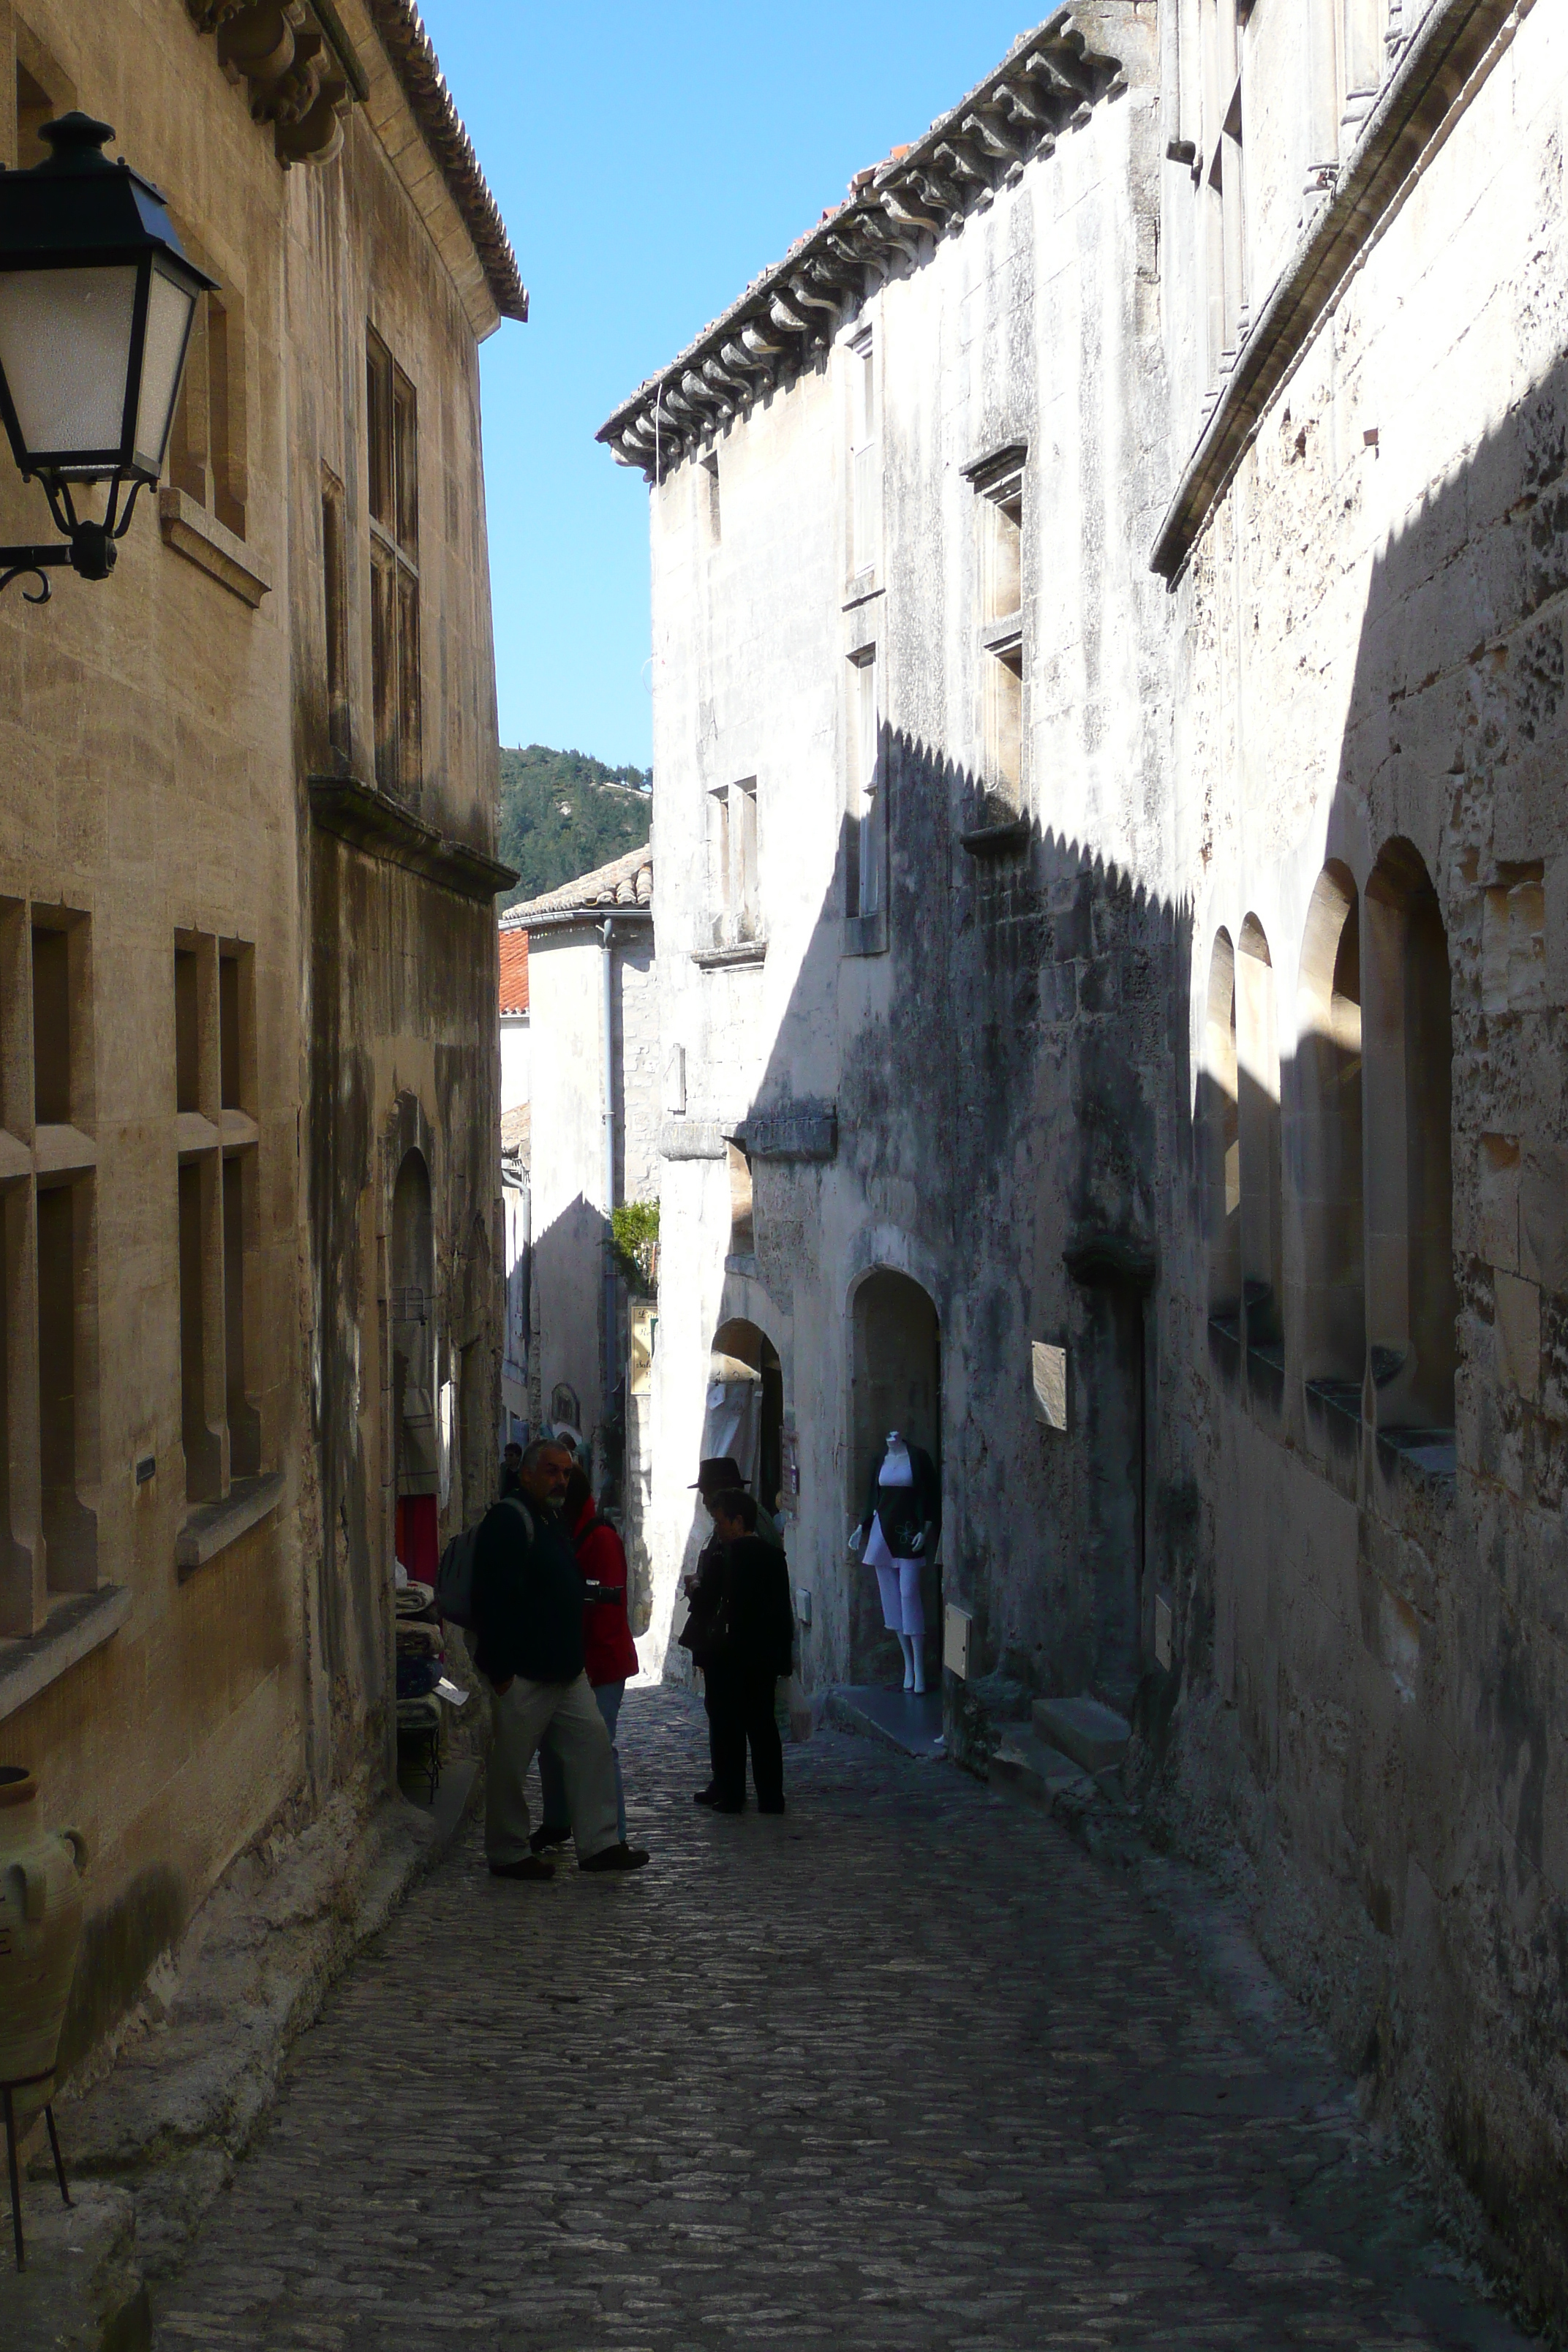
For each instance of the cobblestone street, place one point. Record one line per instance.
(904, 2068)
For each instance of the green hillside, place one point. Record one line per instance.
(562, 814)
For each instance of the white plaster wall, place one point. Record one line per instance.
(514, 1060)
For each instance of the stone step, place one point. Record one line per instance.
(1030, 1767)
(1092, 1734)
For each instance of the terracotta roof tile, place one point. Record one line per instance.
(413, 54)
(625, 881)
(514, 971)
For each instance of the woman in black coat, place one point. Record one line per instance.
(743, 1639)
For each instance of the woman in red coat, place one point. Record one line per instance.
(609, 1654)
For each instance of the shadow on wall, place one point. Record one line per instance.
(1267, 1247)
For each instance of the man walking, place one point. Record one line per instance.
(528, 1618)
(749, 1637)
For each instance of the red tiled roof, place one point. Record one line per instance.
(514, 971)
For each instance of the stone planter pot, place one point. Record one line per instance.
(40, 1928)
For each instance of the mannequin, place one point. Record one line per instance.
(899, 1534)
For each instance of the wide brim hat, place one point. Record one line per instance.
(720, 1472)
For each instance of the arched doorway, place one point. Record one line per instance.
(745, 1407)
(895, 1383)
(412, 1313)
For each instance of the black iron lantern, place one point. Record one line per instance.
(96, 304)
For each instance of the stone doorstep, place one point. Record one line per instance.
(82, 2288)
(1029, 1766)
(148, 2146)
(895, 1717)
(1093, 1735)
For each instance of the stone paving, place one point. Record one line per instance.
(903, 2068)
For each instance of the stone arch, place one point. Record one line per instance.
(1221, 1150)
(411, 1321)
(744, 1359)
(1257, 1138)
(1328, 1159)
(1407, 1029)
(895, 1372)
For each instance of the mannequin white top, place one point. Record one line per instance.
(897, 1470)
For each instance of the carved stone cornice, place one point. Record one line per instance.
(892, 220)
(371, 820)
(295, 77)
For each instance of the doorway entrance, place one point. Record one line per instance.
(895, 1383)
(745, 1407)
(411, 1310)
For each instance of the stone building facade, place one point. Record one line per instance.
(247, 903)
(594, 1130)
(1109, 663)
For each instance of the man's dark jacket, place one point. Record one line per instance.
(527, 1597)
(755, 1615)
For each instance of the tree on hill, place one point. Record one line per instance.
(562, 814)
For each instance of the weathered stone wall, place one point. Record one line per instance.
(1353, 693)
(992, 1100)
(1372, 651)
(158, 734)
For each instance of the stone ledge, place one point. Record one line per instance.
(77, 1626)
(744, 953)
(866, 935)
(691, 1138)
(371, 820)
(996, 840)
(215, 1526)
(194, 533)
(802, 1131)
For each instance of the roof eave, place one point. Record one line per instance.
(1051, 81)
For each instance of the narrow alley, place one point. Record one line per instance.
(903, 2068)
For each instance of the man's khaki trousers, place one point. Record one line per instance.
(522, 1714)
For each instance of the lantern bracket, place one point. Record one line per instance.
(90, 548)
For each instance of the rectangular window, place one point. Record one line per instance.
(732, 862)
(743, 849)
(719, 856)
(48, 1370)
(207, 442)
(999, 484)
(51, 1027)
(215, 1060)
(1005, 726)
(334, 585)
(392, 432)
(865, 829)
(865, 479)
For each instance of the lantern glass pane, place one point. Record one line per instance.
(64, 346)
(169, 307)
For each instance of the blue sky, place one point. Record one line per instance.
(647, 162)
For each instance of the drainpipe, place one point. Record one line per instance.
(607, 1029)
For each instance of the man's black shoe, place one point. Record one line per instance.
(530, 1866)
(729, 1804)
(616, 1857)
(707, 1796)
(543, 1839)
(770, 1805)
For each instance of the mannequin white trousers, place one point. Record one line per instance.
(903, 1611)
(899, 1581)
